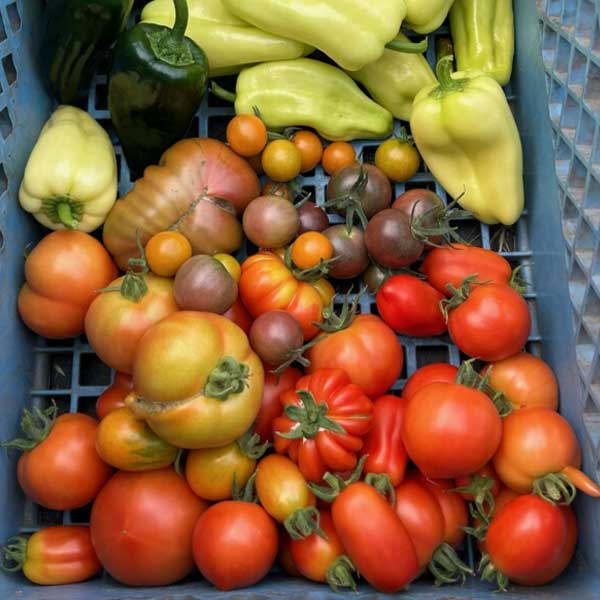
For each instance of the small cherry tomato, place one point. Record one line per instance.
(310, 147)
(398, 159)
(232, 266)
(247, 135)
(310, 248)
(281, 160)
(113, 397)
(337, 156)
(275, 188)
(166, 252)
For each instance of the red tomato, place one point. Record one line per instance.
(453, 264)
(530, 542)
(505, 495)
(324, 419)
(536, 443)
(113, 396)
(383, 444)
(239, 315)
(433, 373)
(450, 430)
(375, 538)
(235, 544)
(63, 275)
(284, 556)
(454, 508)
(60, 468)
(525, 380)
(367, 341)
(142, 526)
(411, 306)
(271, 407)
(314, 556)
(53, 556)
(493, 323)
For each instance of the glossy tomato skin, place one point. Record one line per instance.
(325, 450)
(281, 487)
(525, 380)
(63, 275)
(450, 430)
(453, 264)
(64, 471)
(504, 496)
(411, 306)
(239, 315)
(271, 406)
(114, 325)
(422, 518)
(60, 555)
(114, 395)
(314, 555)
(492, 324)
(432, 373)
(383, 443)
(142, 525)
(235, 544)
(531, 541)
(375, 538)
(267, 284)
(367, 341)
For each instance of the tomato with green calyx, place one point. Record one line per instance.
(322, 424)
(310, 248)
(398, 158)
(60, 468)
(480, 488)
(197, 382)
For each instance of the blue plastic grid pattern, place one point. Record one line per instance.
(69, 373)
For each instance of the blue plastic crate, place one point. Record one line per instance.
(558, 47)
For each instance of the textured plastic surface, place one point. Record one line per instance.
(71, 375)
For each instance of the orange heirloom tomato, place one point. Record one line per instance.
(232, 266)
(53, 556)
(114, 323)
(310, 248)
(166, 252)
(338, 155)
(246, 135)
(268, 284)
(59, 468)
(127, 443)
(311, 149)
(113, 396)
(63, 275)
(196, 380)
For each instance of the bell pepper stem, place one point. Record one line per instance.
(169, 45)
(408, 47)
(448, 84)
(63, 210)
(221, 92)
(181, 20)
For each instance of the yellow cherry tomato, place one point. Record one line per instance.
(232, 266)
(166, 252)
(398, 159)
(310, 248)
(281, 160)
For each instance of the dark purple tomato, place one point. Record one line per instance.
(312, 218)
(424, 207)
(275, 335)
(390, 241)
(349, 250)
(271, 222)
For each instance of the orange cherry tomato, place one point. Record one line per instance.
(166, 252)
(337, 156)
(311, 149)
(281, 160)
(232, 266)
(310, 248)
(247, 135)
(113, 397)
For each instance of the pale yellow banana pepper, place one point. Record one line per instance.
(70, 179)
(465, 131)
(425, 16)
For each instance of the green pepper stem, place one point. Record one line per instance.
(181, 20)
(65, 215)
(448, 84)
(63, 209)
(221, 92)
(408, 47)
(170, 45)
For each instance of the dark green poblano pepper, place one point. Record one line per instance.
(157, 83)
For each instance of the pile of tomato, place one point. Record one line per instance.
(250, 421)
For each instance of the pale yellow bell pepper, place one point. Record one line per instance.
(425, 16)
(465, 131)
(70, 180)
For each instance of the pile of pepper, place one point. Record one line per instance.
(250, 419)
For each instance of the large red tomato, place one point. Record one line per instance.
(368, 350)
(142, 527)
(235, 544)
(60, 468)
(450, 430)
(323, 421)
(63, 275)
(433, 373)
